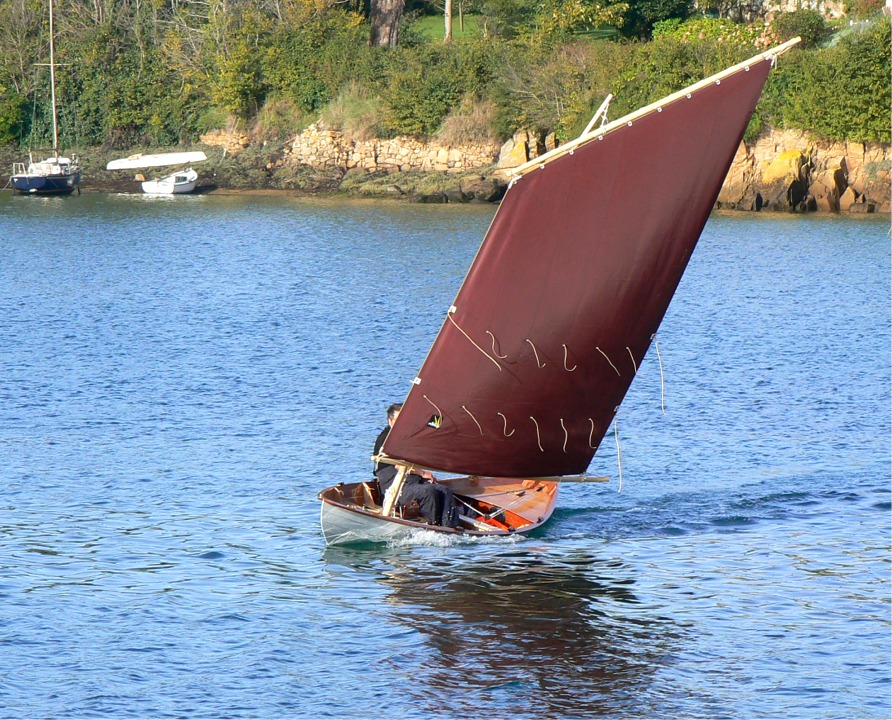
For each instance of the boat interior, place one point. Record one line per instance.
(477, 515)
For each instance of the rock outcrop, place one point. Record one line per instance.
(794, 172)
(783, 171)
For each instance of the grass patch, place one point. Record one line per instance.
(433, 27)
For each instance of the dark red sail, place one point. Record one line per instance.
(569, 287)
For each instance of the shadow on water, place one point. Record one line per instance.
(541, 633)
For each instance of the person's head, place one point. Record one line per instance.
(393, 412)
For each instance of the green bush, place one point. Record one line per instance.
(426, 82)
(12, 116)
(841, 93)
(806, 24)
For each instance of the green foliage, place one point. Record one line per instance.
(426, 82)
(841, 92)
(12, 116)
(806, 24)
(159, 73)
(717, 33)
(861, 9)
(642, 15)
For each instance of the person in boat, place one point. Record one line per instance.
(436, 502)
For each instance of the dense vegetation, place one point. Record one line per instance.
(161, 72)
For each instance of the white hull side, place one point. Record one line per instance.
(175, 184)
(340, 526)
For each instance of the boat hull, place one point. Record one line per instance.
(175, 184)
(45, 184)
(349, 515)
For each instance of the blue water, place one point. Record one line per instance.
(179, 378)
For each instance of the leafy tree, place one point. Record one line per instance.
(12, 116)
(642, 15)
(806, 24)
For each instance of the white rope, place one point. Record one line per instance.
(591, 433)
(619, 459)
(494, 361)
(505, 430)
(494, 351)
(607, 359)
(662, 381)
(538, 439)
(634, 364)
(540, 364)
(439, 412)
(566, 434)
(565, 361)
(473, 418)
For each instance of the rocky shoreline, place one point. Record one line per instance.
(783, 171)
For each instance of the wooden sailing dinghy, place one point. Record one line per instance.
(557, 311)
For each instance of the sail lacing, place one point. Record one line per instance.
(566, 434)
(607, 359)
(634, 364)
(565, 361)
(473, 418)
(538, 439)
(619, 459)
(439, 412)
(540, 364)
(662, 382)
(494, 351)
(505, 430)
(591, 434)
(458, 327)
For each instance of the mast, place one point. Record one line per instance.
(53, 84)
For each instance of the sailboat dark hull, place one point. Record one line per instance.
(46, 185)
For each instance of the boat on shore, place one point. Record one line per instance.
(556, 314)
(180, 181)
(56, 174)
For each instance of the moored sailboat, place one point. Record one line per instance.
(55, 175)
(557, 312)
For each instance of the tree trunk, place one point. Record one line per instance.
(447, 16)
(385, 18)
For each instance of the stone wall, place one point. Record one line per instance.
(319, 147)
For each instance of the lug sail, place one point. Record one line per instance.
(570, 285)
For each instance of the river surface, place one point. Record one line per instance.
(180, 377)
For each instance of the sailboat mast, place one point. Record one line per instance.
(53, 83)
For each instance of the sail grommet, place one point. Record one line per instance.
(689, 96)
(718, 82)
(629, 123)
(746, 69)
(659, 109)
(572, 151)
(600, 137)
